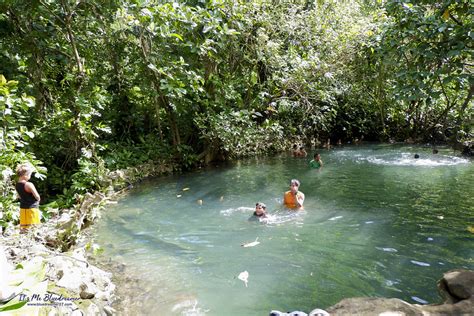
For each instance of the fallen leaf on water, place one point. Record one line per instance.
(471, 229)
(244, 276)
(178, 196)
(185, 189)
(251, 244)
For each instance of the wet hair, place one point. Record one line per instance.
(261, 204)
(316, 155)
(295, 146)
(417, 156)
(294, 181)
(24, 169)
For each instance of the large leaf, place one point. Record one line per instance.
(12, 305)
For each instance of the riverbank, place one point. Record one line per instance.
(52, 269)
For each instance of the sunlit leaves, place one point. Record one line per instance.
(14, 143)
(426, 42)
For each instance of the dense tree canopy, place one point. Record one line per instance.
(88, 86)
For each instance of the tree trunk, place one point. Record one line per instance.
(160, 98)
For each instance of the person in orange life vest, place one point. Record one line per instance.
(29, 197)
(293, 198)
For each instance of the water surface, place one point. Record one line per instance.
(377, 222)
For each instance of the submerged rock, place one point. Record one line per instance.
(456, 286)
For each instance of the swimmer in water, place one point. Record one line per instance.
(294, 199)
(316, 163)
(260, 210)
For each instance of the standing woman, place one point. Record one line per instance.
(29, 197)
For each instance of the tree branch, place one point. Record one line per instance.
(454, 19)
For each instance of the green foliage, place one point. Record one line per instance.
(115, 84)
(28, 279)
(236, 133)
(123, 155)
(14, 140)
(428, 45)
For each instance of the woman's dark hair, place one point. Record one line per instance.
(262, 205)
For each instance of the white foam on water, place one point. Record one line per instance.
(391, 283)
(419, 300)
(419, 263)
(232, 210)
(403, 159)
(280, 218)
(188, 308)
(335, 218)
(408, 159)
(192, 240)
(387, 249)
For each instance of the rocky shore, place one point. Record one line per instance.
(48, 270)
(55, 281)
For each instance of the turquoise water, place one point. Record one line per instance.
(377, 222)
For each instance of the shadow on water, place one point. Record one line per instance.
(145, 239)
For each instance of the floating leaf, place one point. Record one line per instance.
(244, 276)
(251, 244)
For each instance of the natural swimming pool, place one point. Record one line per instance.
(377, 222)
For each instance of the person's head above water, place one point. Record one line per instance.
(293, 198)
(260, 209)
(417, 156)
(294, 182)
(294, 185)
(260, 205)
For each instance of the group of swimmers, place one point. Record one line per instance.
(292, 199)
(299, 152)
(29, 197)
